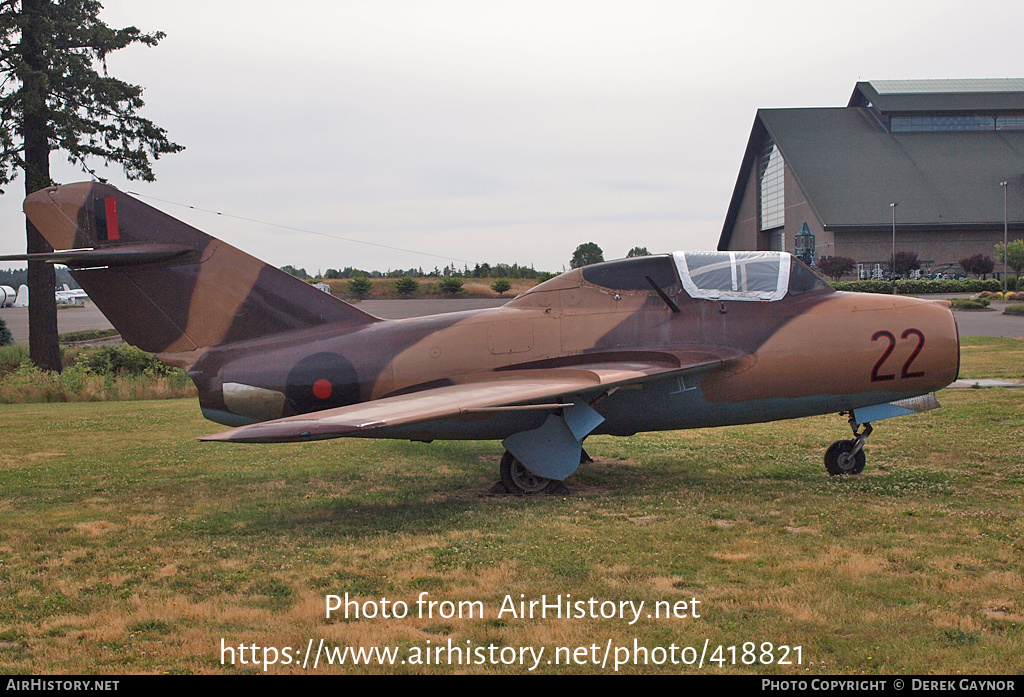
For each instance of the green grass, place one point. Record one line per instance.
(127, 546)
(991, 357)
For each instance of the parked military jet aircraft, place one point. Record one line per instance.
(669, 341)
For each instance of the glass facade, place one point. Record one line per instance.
(771, 186)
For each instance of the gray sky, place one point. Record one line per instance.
(497, 131)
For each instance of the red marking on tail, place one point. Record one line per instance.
(113, 233)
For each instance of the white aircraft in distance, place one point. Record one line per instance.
(71, 297)
(22, 299)
(7, 296)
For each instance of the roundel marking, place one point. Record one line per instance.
(321, 381)
(322, 389)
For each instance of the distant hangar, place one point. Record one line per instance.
(821, 181)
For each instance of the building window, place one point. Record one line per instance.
(1010, 122)
(934, 123)
(779, 241)
(771, 182)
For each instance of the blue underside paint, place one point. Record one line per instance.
(655, 406)
(878, 412)
(554, 449)
(227, 418)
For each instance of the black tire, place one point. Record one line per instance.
(838, 460)
(521, 481)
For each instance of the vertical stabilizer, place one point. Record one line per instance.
(204, 294)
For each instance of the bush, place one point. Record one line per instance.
(864, 286)
(112, 373)
(1014, 309)
(963, 285)
(359, 286)
(121, 359)
(450, 285)
(969, 303)
(86, 335)
(921, 286)
(406, 285)
(502, 286)
(12, 356)
(5, 334)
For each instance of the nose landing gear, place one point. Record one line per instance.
(847, 456)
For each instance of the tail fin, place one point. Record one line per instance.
(22, 299)
(166, 286)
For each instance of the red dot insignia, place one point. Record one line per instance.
(322, 389)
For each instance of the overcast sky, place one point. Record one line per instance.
(497, 131)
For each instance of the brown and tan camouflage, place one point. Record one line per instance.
(615, 348)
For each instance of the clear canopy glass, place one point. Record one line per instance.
(762, 276)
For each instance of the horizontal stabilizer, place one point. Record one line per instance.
(166, 286)
(121, 255)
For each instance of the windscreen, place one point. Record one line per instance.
(760, 276)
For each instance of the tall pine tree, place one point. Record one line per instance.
(57, 96)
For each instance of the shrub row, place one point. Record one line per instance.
(86, 335)
(118, 372)
(1014, 309)
(969, 303)
(914, 287)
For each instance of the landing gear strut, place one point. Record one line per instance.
(519, 481)
(847, 456)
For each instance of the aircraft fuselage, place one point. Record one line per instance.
(812, 353)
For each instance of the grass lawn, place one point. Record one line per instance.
(127, 546)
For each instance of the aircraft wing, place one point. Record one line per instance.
(488, 392)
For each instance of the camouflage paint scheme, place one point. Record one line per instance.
(283, 361)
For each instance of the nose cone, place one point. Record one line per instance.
(910, 345)
(858, 348)
(952, 334)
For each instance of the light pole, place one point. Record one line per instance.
(892, 264)
(1006, 253)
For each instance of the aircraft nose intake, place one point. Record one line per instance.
(920, 343)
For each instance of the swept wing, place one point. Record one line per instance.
(551, 388)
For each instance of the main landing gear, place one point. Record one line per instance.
(847, 456)
(519, 481)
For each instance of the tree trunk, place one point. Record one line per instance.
(44, 348)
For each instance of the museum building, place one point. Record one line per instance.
(822, 181)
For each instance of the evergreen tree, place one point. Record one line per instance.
(56, 95)
(501, 286)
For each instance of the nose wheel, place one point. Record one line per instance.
(847, 456)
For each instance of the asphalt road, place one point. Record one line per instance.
(990, 322)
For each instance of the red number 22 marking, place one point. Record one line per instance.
(905, 372)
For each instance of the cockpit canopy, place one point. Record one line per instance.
(753, 276)
(734, 275)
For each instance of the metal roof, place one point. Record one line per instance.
(951, 86)
(851, 170)
(909, 96)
